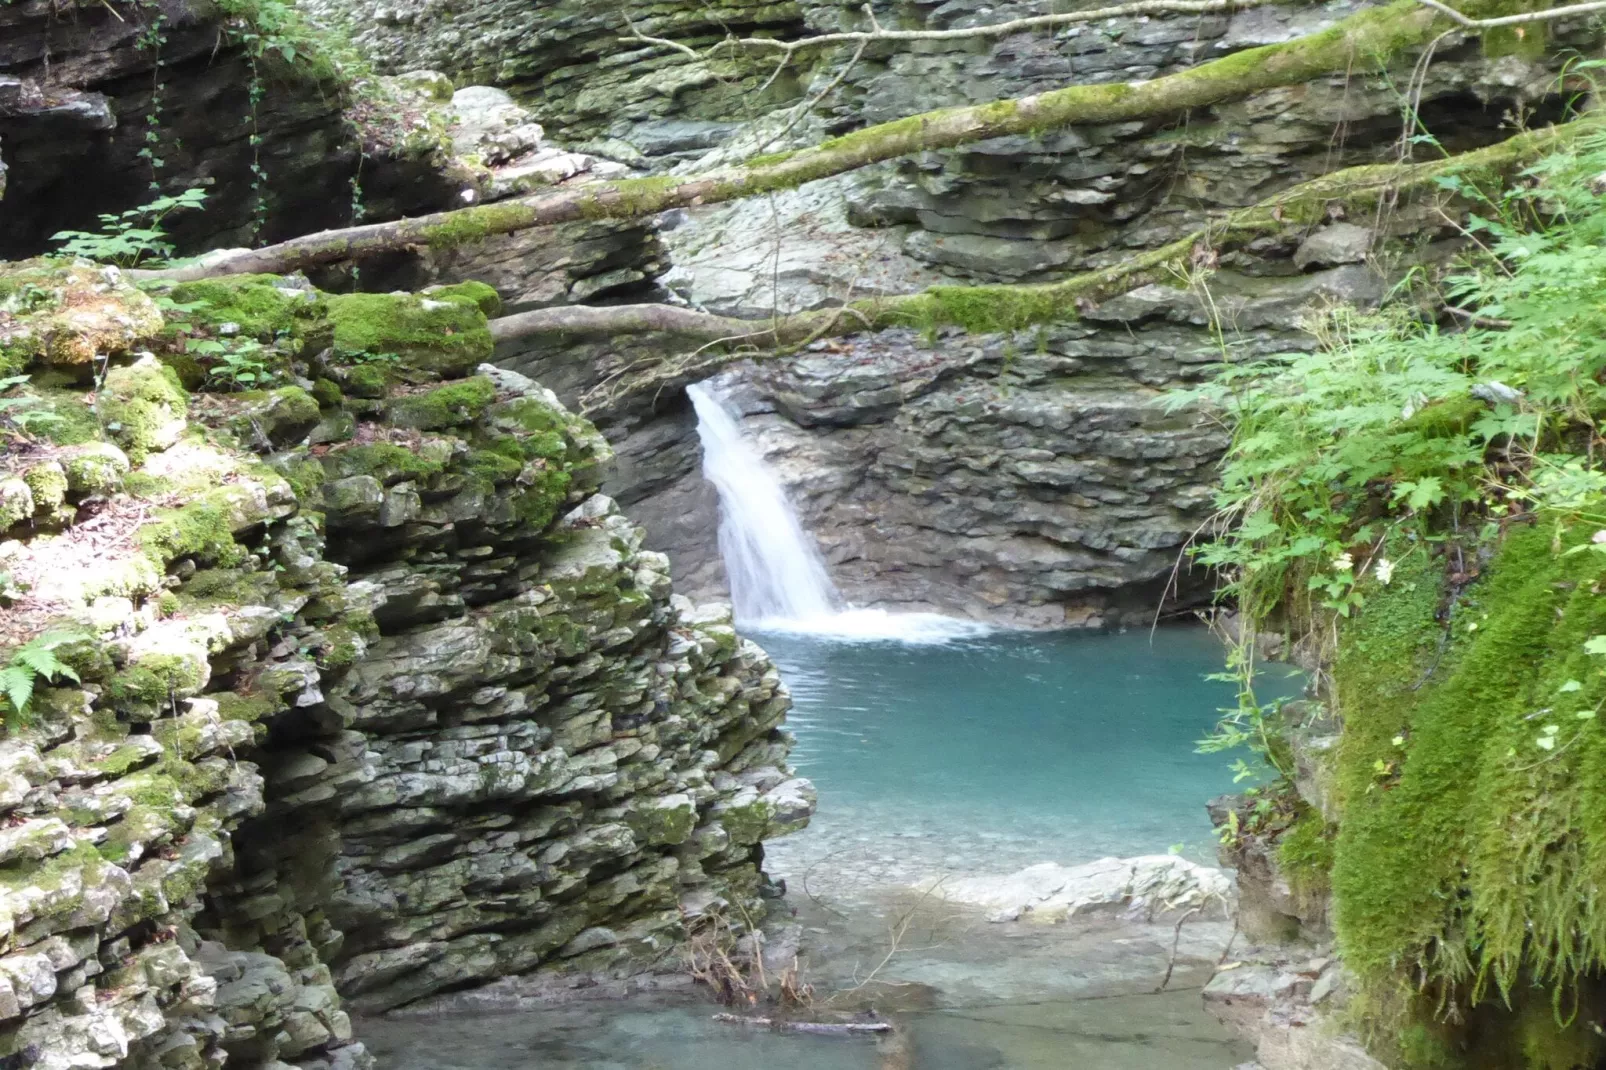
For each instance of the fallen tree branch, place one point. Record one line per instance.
(1002, 307)
(1367, 39)
(819, 1028)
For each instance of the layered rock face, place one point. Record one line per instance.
(1034, 478)
(573, 62)
(104, 107)
(363, 695)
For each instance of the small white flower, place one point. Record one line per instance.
(1343, 562)
(1599, 537)
(1385, 571)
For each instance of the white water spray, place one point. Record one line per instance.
(777, 578)
(775, 571)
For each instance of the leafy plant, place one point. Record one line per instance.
(1401, 431)
(35, 660)
(238, 365)
(24, 412)
(127, 238)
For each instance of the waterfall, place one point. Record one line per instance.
(777, 578)
(775, 571)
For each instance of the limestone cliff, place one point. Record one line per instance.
(360, 688)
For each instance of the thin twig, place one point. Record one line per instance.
(877, 32)
(1513, 20)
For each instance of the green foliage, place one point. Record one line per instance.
(126, 238)
(1399, 427)
(236, 364)
(1425, 495)
(26, 413)
(34, 660)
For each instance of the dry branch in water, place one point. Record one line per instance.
(821, 1028)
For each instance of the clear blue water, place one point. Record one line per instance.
(989, 754)
(981, 755)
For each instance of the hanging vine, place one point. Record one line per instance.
(151, 39)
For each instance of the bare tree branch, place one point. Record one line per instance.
(877, 32)
(1369, 38)
(1514, 20)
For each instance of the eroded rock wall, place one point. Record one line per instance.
(367, 694)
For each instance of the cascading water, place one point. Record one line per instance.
(777, 578)
(774, 569)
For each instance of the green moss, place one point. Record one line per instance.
(481, 295)
(537, 503)
(96, 468)
(213, 587)
(254, 708)
(156, 679)
(447, 337)
(328, 393)
(988, 309)
(385, 462)
(142, 407)
(75, 423)
(1305, 856)
(468, 225)
(367, 381)
(1470, 846)
(629, 197)
(204, 530)
(492, 467)
(446, 406)
(48, 482)
(304, 474)
(259, 305)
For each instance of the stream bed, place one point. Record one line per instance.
(981, 754)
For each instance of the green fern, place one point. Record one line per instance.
(31, 661)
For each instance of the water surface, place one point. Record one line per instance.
(988, 754)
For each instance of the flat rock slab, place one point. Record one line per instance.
(1149, 886)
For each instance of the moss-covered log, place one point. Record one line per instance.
(990, 308)
(1369, 40)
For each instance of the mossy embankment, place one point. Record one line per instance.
(1420, 511)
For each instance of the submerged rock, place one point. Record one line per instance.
(1149, 886)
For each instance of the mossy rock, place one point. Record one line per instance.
(483, 295)
(452, 405)
(16, 502)
(95, 468)
(274, 419)
(263, 307)
(445, 336)
(327, 393)
(368, 380)
(143, 407)
(386, 462)
(48, 482)
(69, 312)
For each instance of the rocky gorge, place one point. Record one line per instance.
(360, 580)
